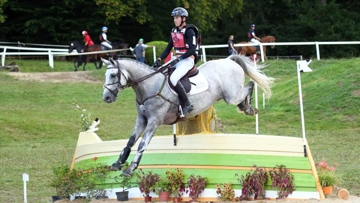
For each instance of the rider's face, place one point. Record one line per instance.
(177, 21)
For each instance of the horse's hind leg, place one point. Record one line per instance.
(245, 105)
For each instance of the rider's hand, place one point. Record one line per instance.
(175, 61)
(157, 63)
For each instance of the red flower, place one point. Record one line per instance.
(95, 158)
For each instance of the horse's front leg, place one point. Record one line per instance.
(84, 67)
(100, 64)
(76, 65)
(138, 130)
(149, 132)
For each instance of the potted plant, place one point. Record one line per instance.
(225, 193)
(177, 179)
(327, 176)
(146, 182)
(163, 189)
(124, 183)
(59, 174)
(196, 185)
(95, 178)
(283, 180)
(253, 183)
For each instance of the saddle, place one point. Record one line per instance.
(185, 81)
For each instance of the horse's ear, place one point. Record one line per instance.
(105, 61)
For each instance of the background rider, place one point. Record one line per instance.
(253, 38)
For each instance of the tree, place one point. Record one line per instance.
(2, 17)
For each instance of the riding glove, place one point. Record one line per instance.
(175, 61)
(157, 63)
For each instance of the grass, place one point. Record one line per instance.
(39, 124)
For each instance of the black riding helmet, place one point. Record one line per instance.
(180, 11)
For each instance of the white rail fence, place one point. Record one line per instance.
(51, 52)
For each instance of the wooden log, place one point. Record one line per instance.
(343, 194)
(14, 68)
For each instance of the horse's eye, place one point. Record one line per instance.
(112, 75)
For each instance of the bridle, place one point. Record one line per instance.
(129, 82)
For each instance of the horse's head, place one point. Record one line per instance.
(116, 79)
(71, 47)
(75, 45)
(268, 39)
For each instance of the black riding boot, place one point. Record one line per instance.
(187, 107)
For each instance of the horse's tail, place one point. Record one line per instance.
(264, 82)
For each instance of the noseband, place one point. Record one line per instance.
(119, 86)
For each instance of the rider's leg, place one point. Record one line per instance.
(182, 67)
(187, 108)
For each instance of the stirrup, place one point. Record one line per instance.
(181, 112)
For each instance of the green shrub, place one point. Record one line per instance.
(160, 47)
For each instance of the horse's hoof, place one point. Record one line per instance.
(251, 111)
(127, 173)
(115, 166)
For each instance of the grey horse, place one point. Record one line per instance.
(156, 104)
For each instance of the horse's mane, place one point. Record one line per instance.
(143, 65)
(75, 42)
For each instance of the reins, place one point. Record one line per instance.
(130, 83)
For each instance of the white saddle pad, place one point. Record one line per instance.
(198, 84)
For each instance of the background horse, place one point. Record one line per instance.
(95, 58)
(156, 103)
(251, 50)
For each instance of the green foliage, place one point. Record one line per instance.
(85, 116)
(163, 185)
(326, 174)
(59, 172)
(123, 181)
(160, 47)
(176, 178)
(327, 178)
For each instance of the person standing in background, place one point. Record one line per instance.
(139, 51)
(231, 48)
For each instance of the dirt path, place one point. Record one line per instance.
(55, 77)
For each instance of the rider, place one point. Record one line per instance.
(103, 38)
(253, 38)
(183, 39)
(87, 39)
